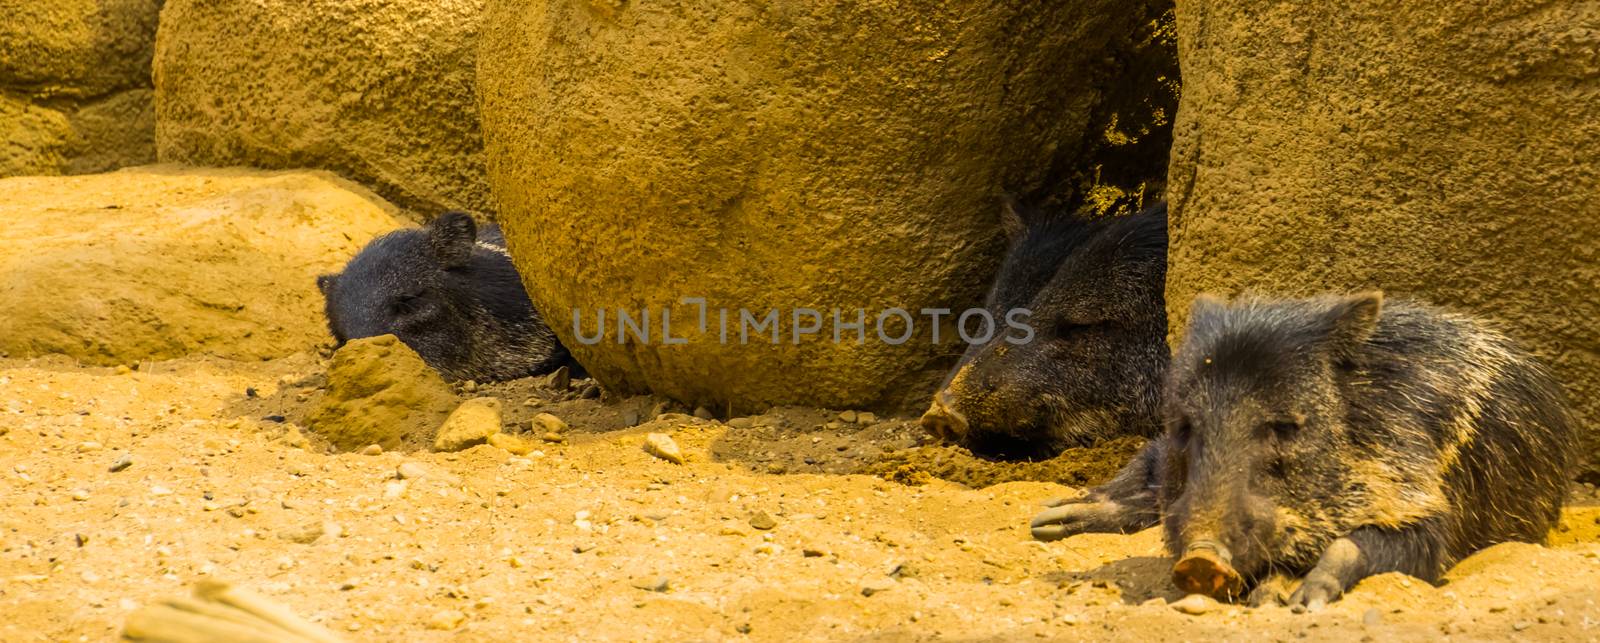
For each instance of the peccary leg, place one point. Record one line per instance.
(1414, 550)
(1125, 504)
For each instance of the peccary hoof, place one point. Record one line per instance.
(1203, 572)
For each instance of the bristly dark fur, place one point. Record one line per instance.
(1301, 431)
(450, 292)
(1092, 371)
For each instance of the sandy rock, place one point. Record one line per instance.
(560, 379)
(913, 120)
(381, 392)
(1442, 150)
(159, 262)
(763, 521)
(76, 137)
(547, 423)
(411, 471)
(122, 462)
(510, 443)
(447, 620)
(303, 534)
(75, 85)
(79, 48)
(382, 93)
(1195, 604)
(471, 424)
(663, 446)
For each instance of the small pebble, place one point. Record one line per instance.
(510, 444)
(703, 413)
(659, 584)
(847, 416)
(877, 586)
(547, 423)
(663, 446)
(469, 425)
(412, 471)
(741, 423)
(559, 380)
(303, 534)
(122, 463)
(88, 447)
(80, 494)
(553, 438)
(372, 449)
(763, 521)
(1195, 604)
(866, 417)
(447, 620)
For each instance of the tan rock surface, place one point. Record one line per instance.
(380, 92)
(162, 261)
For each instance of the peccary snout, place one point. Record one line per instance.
(943, 420)
(1207, 568)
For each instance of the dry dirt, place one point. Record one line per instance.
(571, 542)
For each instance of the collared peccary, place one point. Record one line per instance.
(1093, 367)
(449, 291)
(1340, 437)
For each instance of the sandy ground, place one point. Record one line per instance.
(593, 539)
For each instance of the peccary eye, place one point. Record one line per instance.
(1281, 429)
(406, 304)
(1066, 327)
(1182, 432)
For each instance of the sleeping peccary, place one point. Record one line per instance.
(1092, 369)
(449, 291)
(1337, 438)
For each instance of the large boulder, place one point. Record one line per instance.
(783, 156)
(159, 262)
(1446, 150)
(75, 85)
(380, 92)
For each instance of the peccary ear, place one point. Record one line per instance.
(1351, 319)
(1011, 218)
(451, 236)
(325, 282)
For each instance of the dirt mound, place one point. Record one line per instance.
(1077, 467)
(379, 391)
